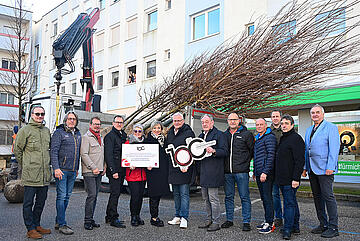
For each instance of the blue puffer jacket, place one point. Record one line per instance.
(65, 149)
(264, 153)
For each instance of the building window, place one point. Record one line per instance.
(55, 28)
(73, 88)
(206, 23)
(102, 4)
(131, 71)
(152, 21)
(115, 35)
(336, 26)
(99, 43)
(8, 64)
(167, 55)
(37, 52)
(250, 29)
(7, 99)
(285, 31)
(6, 137)
(115, 78)
(167, 4)
(151, 69)
(132, 28)
(63, 89)
(100, 82)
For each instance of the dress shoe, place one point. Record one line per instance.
(206, 224)
(157, 222)
(140, 221)
(95, 225)
(33, 234)
(42, 230)
(246, 227)
(227, 224)
(117, 224)
(213, 227)
(88, 226)
(134, 222)
(318, 230)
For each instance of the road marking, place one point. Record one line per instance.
(238, 208)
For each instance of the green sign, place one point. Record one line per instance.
(349, 168)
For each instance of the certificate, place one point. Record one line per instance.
(140, 155)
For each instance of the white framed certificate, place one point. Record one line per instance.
(140, 155)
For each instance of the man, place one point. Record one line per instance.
(290, 160)
(180, 178)
(212, 171)
(237, 168)
(322, 142)
(65, 156)
(264, 155)
(32, 152)
(93, 168)
(276, 129)
(116, 174)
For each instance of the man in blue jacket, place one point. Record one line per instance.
(212, 171)
(264, 156)
(322, 143)
(65, 155)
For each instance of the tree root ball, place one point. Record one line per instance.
(14, 191)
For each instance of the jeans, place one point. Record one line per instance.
(31, 212)
(291, 208)
(181, 199)
(265, 189)
(322, 189)
(154, 206)
(242, 182)
(212, 203)
(115, 189)
(92, 187)
(136, 196)
(277, 201)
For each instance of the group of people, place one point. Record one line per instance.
(280, 156)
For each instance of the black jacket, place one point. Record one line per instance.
(241, 150)
(175, 175)
(290, 158)
(212, 167)
(157, 178)
(112, 147)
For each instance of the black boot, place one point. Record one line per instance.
(134, 221)
(139, 220)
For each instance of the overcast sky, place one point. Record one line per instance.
(38, 7)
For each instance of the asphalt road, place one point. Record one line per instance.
(12, 226)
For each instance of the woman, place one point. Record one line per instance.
(157, 178)
(136, 178)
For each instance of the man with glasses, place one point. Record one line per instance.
(237, 168)
(93, 168)
(65, 156)
(180, 178)
(32, 152)
(116, 174)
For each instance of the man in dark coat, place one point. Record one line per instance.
(264, 157)
(290, 160)
(113, 146)
(212, 171)
(180, 178)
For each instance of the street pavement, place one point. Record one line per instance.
(12, 226)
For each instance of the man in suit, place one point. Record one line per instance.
(322, 142)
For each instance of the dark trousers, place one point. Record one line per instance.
(31, 212)
(92, 187)
(322, 189)
(136, 199)
(154, 206)
(265, 189)
(291, 208)
(115, 189)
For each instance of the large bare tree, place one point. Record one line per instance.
(18, 81)
(305, 44)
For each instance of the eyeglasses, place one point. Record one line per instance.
(96, 124)
(72, 119)
(177, 120)
(119, 122)
(40, 114)
(137, 131)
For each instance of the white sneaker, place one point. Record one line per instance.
(175, 221)
(183, 223)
